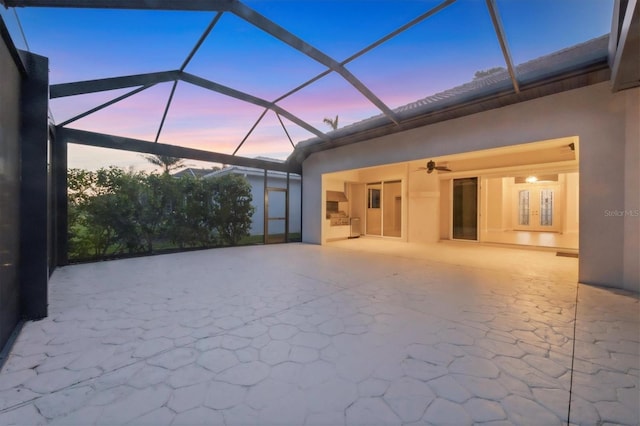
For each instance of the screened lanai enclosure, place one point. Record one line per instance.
(260, 102)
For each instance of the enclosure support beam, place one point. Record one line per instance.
(104, 105)
(273, 29)
(34, 135)
(60, 201)
(101, 140)
(189, 5)
(625, 57)
(104, 84)
(216, 87)
(265, 209)
(497, 24)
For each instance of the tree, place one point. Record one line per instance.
(104, 211)
(167, 162)
(331, 123)
(232, 208)
(484, 73)
(114, 212)
(156, 199)
(192, 221)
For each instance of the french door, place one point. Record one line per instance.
(536, 208)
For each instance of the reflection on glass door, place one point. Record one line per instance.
(465, 209)
(537, 208)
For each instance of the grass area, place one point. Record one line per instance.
(166, 246)
(259, 239)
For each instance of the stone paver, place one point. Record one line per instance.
(357, 332)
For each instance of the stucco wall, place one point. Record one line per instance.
(424, 207)
(599, 118)
(9, 192)
(632, 190)
(572, 188)
(492, 193)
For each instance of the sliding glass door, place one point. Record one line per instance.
(384, 209)
(465, 209)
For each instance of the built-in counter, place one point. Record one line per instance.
(337, 232)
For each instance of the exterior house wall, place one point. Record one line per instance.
(604, 122)
(445, 209)
(631, 247)
(572, 188)
(507, 202)
(424, 207)
(492, 193)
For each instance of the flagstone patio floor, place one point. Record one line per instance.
(358, 332)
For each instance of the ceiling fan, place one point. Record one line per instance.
(431, 166)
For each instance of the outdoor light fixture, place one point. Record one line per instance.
(531, 179)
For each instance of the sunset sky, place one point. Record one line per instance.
(439, 53)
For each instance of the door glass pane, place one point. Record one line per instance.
(392, 209)
(546, 207)
(374, 212)
(523, 207)
(374, 198)
(465, 209)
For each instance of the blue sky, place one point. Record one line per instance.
(440, 52)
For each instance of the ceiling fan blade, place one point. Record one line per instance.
(443, 168)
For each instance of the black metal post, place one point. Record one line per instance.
(34, 134)
(286, 213)
(60, 166)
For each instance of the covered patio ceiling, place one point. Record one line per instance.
(228, 81)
